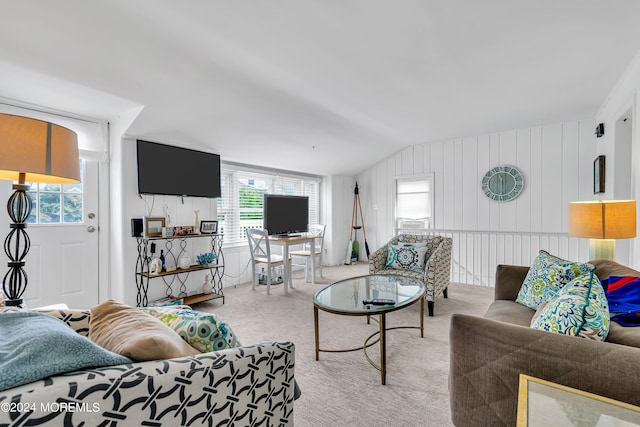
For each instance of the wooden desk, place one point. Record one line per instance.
(285, 242)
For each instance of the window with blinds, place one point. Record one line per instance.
(414, 203)
(240, 206)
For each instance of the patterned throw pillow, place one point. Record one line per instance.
(205, 332)
(546, 277)
(579, 309)
(406, 256)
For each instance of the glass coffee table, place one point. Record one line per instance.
(346, 297)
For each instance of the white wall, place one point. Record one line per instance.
(555, 160)
(126, 204)
(336, 207)
(622, 102)
(337, 199)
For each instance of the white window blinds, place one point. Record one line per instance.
(240, 206)
(414, 203)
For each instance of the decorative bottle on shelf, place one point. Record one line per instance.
(206, 285)
(162, 260)
(196, 228)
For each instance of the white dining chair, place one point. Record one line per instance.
(304, 256)
(263, 262)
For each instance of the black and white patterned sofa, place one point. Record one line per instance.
(243, 386)
(435, 272)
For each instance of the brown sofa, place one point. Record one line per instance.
(488, 354)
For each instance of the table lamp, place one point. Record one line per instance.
(31, 151)
(603, 221)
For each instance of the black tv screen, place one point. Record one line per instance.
(285, 214)
(165, 169)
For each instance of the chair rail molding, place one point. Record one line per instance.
(476, 253)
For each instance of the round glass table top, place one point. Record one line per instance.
(346, 296)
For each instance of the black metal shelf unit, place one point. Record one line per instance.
(143, 275)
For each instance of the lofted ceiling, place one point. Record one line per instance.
(322, 87)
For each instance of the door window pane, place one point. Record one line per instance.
(72, 204)
(49, 187)
(56, 203)
(49, 208)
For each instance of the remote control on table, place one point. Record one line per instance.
(378, 302)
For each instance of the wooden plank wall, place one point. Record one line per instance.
(556, 161)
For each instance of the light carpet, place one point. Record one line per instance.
(343, 389)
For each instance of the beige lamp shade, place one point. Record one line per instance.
(43, 151)
(606, 219)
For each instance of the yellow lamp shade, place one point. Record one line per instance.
(43, 151)
(606, 219)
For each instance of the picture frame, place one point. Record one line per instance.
(183, 230)
(153, 226)
(208, 227)
(599, 171)
(167, 232)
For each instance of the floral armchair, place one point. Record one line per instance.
(435, 273)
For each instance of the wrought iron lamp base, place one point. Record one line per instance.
(17, 244)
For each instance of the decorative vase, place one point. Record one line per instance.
(196, 228)
(184, 261)
(155, 266)
(206, 285)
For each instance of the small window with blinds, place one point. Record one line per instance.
(243, 190)
(414, 203)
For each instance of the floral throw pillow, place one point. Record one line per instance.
(579, 309)
(205, 332)
(546, 277)
(406, 256)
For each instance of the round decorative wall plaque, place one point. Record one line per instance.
(503, 183)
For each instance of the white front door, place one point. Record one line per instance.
(62, 264)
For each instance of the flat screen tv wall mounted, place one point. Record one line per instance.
(285, 215)
(175, 171)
